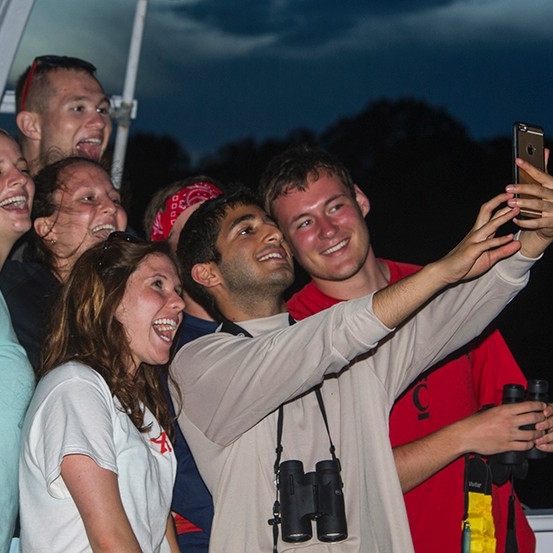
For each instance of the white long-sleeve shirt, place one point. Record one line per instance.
(232, 386)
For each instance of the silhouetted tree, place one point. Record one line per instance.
(152, 162)
(245, 160)
(420, 170)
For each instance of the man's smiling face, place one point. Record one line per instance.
(325, 227)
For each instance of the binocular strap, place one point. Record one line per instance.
(478, 524)
(233, 328)
(274, 522)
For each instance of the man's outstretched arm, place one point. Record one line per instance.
(473, 256)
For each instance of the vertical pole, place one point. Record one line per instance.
(123, 114)
(13, 18)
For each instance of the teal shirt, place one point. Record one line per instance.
(17, 382)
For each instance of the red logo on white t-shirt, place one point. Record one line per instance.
(164, 443)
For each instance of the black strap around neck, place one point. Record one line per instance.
(233, 328)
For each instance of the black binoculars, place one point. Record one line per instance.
(537, 390)
(312, 496)
(516, 462)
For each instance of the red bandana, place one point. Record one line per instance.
(179, 202)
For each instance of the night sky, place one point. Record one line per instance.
(214, 71)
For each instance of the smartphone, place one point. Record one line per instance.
(527, 145)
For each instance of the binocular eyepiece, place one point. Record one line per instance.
(311, 496)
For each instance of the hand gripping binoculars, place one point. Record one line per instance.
(515, 463)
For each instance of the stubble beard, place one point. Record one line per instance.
(248, 289)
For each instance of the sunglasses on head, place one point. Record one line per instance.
(117, 236)
(52, 61)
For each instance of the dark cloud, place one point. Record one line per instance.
(303, 23)
(296, 23)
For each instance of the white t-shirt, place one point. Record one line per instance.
(74, 412)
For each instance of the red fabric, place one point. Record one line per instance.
(178, 203)
(458, 389)
(183, 525)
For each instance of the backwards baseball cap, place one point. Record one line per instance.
(179, 202)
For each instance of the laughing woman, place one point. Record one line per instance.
(16, 376)
(76, 206)
(97, 467)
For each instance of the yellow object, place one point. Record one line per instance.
(479, 528)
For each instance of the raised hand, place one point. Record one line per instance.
(481, 248)
(473, 256)
(538, 232)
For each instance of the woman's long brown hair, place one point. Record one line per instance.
(84, 327)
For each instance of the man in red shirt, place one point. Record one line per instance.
(436, 422)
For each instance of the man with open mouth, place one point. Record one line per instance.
(62, 110)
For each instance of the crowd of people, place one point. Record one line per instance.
(165, 395)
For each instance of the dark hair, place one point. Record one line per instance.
(5, 133)
(199, 243)
(40, 90)
(84, 328)
(161, 196)
(294, 168)
(48, 181)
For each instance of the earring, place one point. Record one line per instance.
(53, 241)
